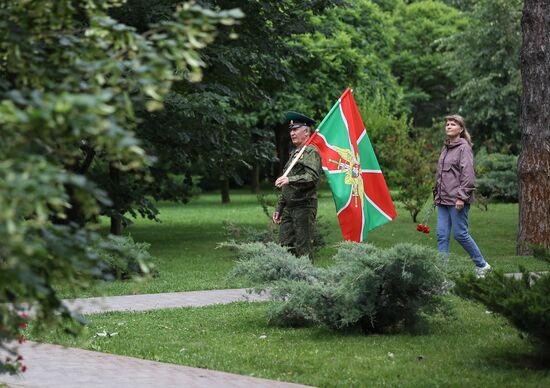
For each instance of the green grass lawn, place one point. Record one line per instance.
(476, 348)
(185, 243)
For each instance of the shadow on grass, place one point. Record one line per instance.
(538, 359)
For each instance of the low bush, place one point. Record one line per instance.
(525, 302)
(415, 177)
(123, 258)
(369, 288)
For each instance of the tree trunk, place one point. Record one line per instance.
(116, 219)
(255, 182)
(282, 140)
(116, 225)
(534, 160)
(225, 190)
(75, 213)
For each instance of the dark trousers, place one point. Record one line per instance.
(298, 230)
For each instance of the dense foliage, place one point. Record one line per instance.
(416, 175)
(71, 81)
(417, 58)
(369, 288)
(217, 128)
(483, 60)
(350, 47)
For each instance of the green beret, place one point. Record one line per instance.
(298, 118)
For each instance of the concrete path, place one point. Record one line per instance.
(56, 366)
(532, 275)
(52, 366)
(160, 301)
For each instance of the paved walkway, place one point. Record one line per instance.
(53, 366)
(532, 275)
(160, 301)
(56, 366)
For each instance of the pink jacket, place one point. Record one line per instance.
(455, 176)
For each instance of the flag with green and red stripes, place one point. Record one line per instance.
(362, 198)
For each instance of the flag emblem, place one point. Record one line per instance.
(350, 165)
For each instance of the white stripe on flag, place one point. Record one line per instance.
(347, 203)
(362, 135)
(362, 224)
(373, 171)
(377, 208)
(333, 171)
(347, 128)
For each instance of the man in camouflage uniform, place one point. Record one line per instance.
(297, 206)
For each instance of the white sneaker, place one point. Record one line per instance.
(482, 271)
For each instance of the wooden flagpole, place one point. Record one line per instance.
(295, 160)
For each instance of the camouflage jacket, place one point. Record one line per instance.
(303, 180)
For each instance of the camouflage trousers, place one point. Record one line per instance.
(298, 230)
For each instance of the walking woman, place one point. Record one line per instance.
(454, 192)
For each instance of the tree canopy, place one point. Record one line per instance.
(72, 80)
(418, 59)
(483, 59)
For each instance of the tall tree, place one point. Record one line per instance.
(71, 79)
(534, 160)
(215, 127)
(246, 73)
(417, 59)
(483, 60)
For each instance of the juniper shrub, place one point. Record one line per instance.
(373, 289)
(523, 302)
